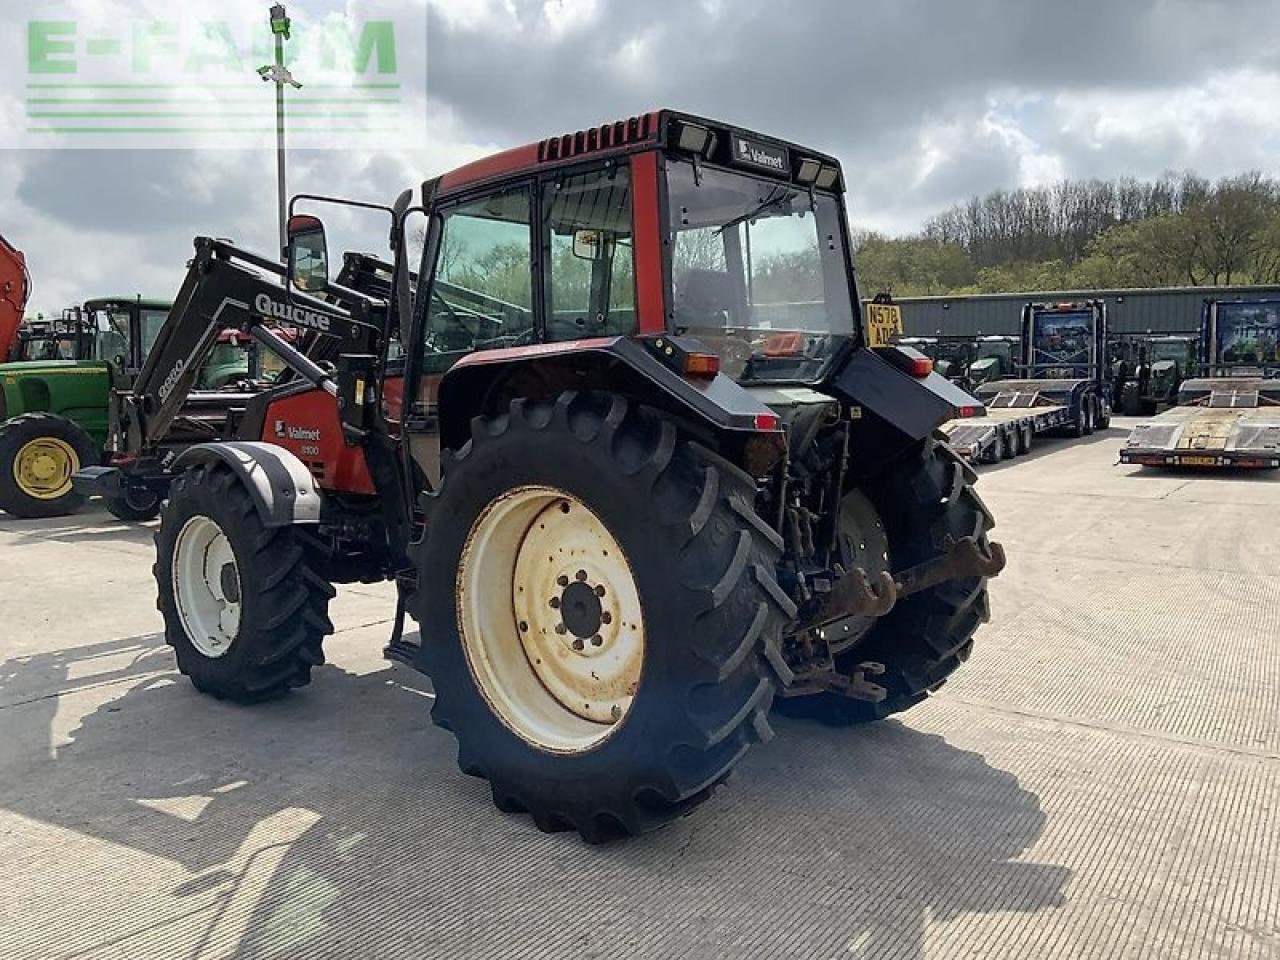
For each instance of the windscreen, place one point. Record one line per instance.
(1178, 351)
(759, 272)
(1248, 333)
(1062, 340)
(48, 345)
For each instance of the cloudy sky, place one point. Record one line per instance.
(926, 102)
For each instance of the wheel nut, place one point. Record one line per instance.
(597, 640)
(581, 575)
(599, 590)
(524, 626)
(562, 580)
(577, 643)
(561, 629)
(606, 617)
(555, 603)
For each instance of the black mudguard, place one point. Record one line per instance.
(891, 409)
(483, 382)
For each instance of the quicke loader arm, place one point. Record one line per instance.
(227, 286)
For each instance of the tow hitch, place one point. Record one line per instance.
(856, 595)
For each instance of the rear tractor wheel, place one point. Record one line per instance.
(601, 617)
(243, 610)
(911, 513)
(38, 454)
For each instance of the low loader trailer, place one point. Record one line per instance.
(1229, 416)
(1065, 394)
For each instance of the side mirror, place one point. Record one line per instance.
(592, 245)
(308, 254)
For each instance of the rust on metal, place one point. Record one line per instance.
(967, 557)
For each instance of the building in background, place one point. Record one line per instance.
(1160, 310)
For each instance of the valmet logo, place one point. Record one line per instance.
(767, 156)
(286, 431)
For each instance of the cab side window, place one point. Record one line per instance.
(111, 343)
(591, 272)
(482, 295)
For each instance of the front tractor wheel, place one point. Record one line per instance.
(599, 614)
(135, 505)
(38, 454)
(912, 513)
(243, 610)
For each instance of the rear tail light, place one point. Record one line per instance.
(971, 411)
(701, 364)
(766, 421)
(920, 367)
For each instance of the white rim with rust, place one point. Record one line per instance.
(550, 619)
(206, 586)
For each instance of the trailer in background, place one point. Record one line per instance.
(1064, 390)
(1229, 416)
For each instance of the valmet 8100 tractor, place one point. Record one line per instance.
(635, 472)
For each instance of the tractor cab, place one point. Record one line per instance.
(658, 224)
(114, 331)
(1171, 360)
(994, 359)
(64, 338)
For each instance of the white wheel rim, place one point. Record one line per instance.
(206, 586)
(550, 619)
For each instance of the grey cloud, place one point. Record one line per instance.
(864, 80)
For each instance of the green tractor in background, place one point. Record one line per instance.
(54, 399)
(1148, 371)
(994, 359)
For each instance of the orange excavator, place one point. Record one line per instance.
(15, 287)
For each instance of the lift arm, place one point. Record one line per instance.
(227, 286)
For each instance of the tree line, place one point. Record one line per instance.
(1180, 230)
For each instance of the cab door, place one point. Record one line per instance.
(480, 293)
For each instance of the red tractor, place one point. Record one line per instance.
(620, 442)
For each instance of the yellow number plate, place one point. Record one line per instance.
(884, 322)
(1198, 461)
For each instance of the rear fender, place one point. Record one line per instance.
(716, 409)
(280, 485)
(892, 409)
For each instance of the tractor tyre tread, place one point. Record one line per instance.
(714, 613)
(284, 612)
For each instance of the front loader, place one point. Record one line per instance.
(624, 450)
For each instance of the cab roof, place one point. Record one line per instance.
(150, 303)
(642, 132)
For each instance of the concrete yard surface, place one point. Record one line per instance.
(1101, 780)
